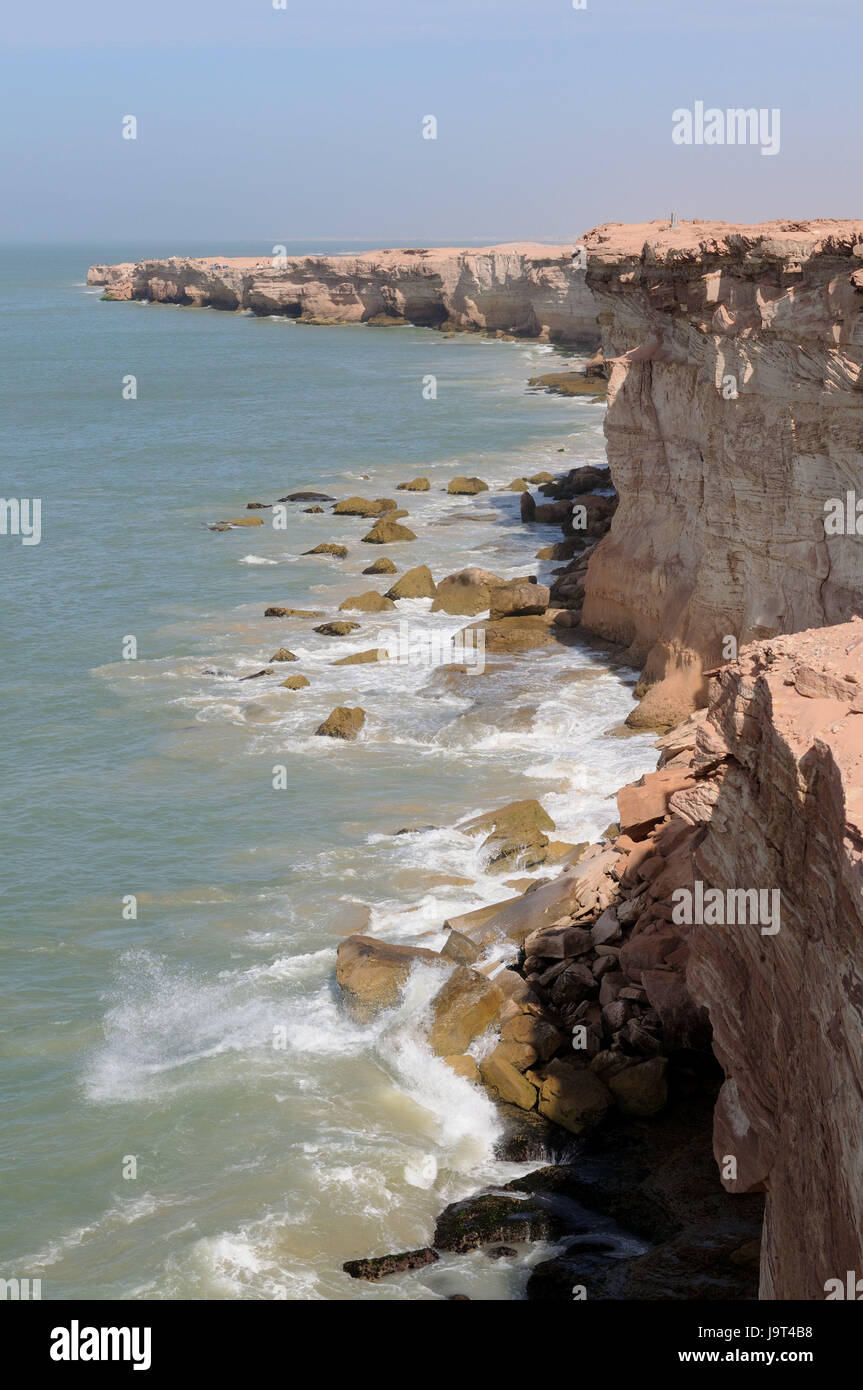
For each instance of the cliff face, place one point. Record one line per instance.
(735, 413)
(782, 802)
(529, 290)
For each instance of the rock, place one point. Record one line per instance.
(307, 497)
(390, 1264)
(490, 1219)
(381, 566)
(415, 583)
(257, 506)
(501, 1252)
(606, 928)
(338, 552)
(536, 1033)
(369, 602)
(464, 1065)
(283, 655)
(528, 506)
(641, 1090)
(463, 1008)
(296, 682)
(387, 532)
(517, 485)
(415, 485)
(312, 511)
(573, 1097)
(460, 949)
(643, 803)
(508, 1083)
(361, 506)
(468, 591)
(343, 722)
(292, 613)
(462, 487)
(239, 521)
(522, 633)
(508, 600)
(372, 973)
(337, 629)
(513, 833)
(253, 676)
(559, 943)
(366, 658)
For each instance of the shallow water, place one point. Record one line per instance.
(260, 1168)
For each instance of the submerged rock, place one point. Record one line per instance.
(466, 487)
(362, 506)
(344, 722)
(338, 552)
(359, 658)
(337, 629)
(415, 583)
(369, 602)
(382, 566)
(307, 497)
(386, 532)
(382, 1265)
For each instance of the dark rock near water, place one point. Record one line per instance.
(307, 497)
(492, 1218)
(382, 1265)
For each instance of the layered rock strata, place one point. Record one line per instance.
(523, 289)
(735, 416)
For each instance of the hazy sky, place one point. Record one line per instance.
(307, 122)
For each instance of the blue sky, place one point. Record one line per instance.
(306, 123)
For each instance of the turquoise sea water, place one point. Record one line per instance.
(259, 1169)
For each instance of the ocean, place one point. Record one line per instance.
(168, 912)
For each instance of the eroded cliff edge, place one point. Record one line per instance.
(735, 413)
(524, 289)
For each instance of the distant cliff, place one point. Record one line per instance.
(527, 290)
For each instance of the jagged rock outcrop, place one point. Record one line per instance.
(525, 289)
(735, 413)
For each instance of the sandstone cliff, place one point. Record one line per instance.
(735, 413)
(528, 290)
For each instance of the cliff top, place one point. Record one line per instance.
(658, 242)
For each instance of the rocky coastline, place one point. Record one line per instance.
(624, 1029)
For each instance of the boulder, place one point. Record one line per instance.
(533, 1032)
(283, 655)
(372, 973)
(559, 943)
(572, 1097)
(337, 629)
(517, 485)
(462, 1009)
(507, 1082)
(307, 497)
(386, 532)
(542, 477)
(296, 682)
(312, 511)
(361, 506)
(338, 552)
(642, 1090)
(369, 602)
(275, 612)
(366, 658)
(464, 1065)
(521, 633)
(466, 487)
(382, 1265)
(468, 591)
(415, 583)
(415, 485)
(343, 722)
(528, 506)
(516, 598)
(492, 1218)
(381, 566)
(242, 521)
(460, 948)
(513, 834)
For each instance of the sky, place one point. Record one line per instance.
(306, 123)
